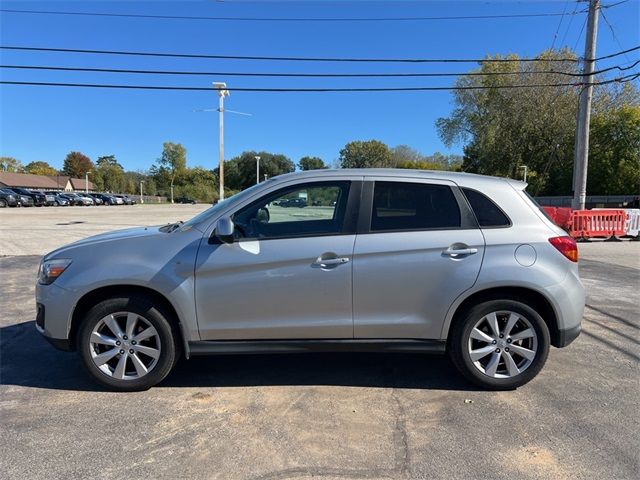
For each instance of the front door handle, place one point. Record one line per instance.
(329, 262)
(459, 251)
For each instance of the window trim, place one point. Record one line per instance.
(467, 218)
(492, 227)
(348, 223)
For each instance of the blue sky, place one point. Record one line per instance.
(45, 123)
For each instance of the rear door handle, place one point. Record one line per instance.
(459, 252)
(330, 262)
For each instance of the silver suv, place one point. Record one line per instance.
(371, 260)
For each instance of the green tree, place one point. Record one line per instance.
(40, 168)
(172, 163)
(10, 164)
(108, 174)
(240, 171)
(76, 165)
(505, 128)
(405, 155)
(614, 151)
(365, 154)
(311, 163)
(200, 184)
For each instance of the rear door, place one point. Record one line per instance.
(418, 248)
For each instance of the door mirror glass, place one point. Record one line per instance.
(224, 230)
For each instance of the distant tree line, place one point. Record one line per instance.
(170, 172)
(500, 130)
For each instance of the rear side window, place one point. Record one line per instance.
(486, 211)
(413, 206)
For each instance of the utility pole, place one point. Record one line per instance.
(86, 181)
(581, 158)
(141, 199)
(257, 157)
(222, 92)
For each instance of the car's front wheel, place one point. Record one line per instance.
(499, 344)
(128, 343)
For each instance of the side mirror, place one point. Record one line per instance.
(224, 230)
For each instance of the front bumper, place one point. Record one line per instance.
(54, 307)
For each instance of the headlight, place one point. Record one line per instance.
(51, 269)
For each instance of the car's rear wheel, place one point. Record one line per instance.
(128, 343)
(499, 344)
(3, 203)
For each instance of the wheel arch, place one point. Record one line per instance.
(528, 296)
(89, 299)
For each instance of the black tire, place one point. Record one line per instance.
(3, 203)
(458, 344)
(157, 316)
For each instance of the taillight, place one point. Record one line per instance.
(566, 246)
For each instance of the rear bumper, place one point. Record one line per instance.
(565, 337)
(568, 298)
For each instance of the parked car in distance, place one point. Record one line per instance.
(293, 202)
(60, 200)
(96, 199)
(119, 200)
(25, 201)
(106, 198)
(80, 199)
(50, 199)
(185, 200)
(126, 199)
(8, 198)
(39, 199)
(406, 260)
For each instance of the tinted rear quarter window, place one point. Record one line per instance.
(486, 211)
(413, 206)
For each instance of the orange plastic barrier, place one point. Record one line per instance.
(597, 223)
(561, 216)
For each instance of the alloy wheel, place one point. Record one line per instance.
(124, 346)
(502, 344)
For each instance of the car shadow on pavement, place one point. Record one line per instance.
(28, 360)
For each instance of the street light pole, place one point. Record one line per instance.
(526, 169)
(222, 92)
(86, 181)
(141, 199)
(257, 157)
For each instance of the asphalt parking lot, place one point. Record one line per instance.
(315, 415)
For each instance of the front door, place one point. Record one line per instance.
(288, 273)
(418, 252)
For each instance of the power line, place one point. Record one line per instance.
(569, 24)
(288, 59)
(617, 54)
(624, 79)
(286, 19)
(304, 59)
(613, 33)
(309, 75)
(555, 36)
(584, 24)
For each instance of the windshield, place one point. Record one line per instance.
(209, 212)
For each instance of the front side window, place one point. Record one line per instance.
(413, 206)
(302, 210)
